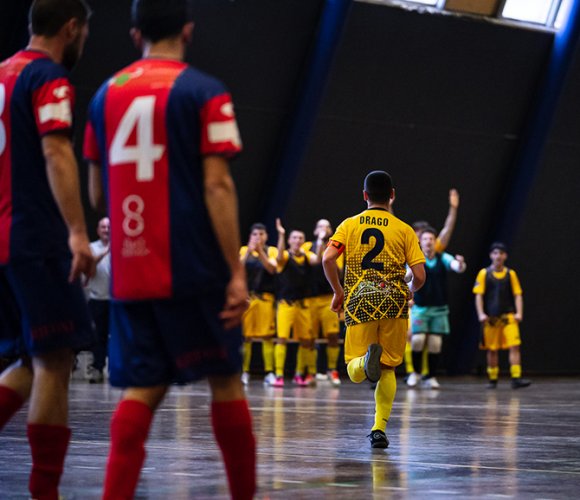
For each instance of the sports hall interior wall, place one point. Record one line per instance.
(437, 100)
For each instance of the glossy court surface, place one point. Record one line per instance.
(460, 442)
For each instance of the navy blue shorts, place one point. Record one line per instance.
(40, 311)
(160, 342)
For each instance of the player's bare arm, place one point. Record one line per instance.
(330, 265)
(222, 205)
(519, 315)
(269, 264)
(447, 231)
(96, 195)
(281, 241)
(481, 316)
(419, 277)
(63, 177)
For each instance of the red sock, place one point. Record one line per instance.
(48, 444)
(10, 403)
(129, 430)
(232, 426)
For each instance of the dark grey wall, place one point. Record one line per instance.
(437, 100)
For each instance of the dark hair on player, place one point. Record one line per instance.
(429, 229)
(159, 19)
(420, 225)
(258, 226)
(47, 17)
(498, 245)
(378, 186)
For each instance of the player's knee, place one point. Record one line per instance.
(434, 344)
(418, 342)
(226, 388)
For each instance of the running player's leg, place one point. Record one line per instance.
(232, 425)
(360, 347)
(392, 337)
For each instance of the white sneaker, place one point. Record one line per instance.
(245, 378)
(431, 383)
(269, 379)
(413, 379)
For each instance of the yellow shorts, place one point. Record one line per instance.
(293, 316)
(322, 316)
(500, 333)
(258, 319)
(390, 333)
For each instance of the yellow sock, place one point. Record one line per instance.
(493, 373)
(268, 355)
(332, 354)
(301, 356)
(356, 370)
(280, 357)
(425, 370)
(409, 358)
(384, 397)
(247, 351)
(516, 371)
(312, 359)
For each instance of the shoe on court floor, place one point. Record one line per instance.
(279, 382)
(520, 383)
(309, 381)
(334, 377)
(492, 384)
(269, 379)
(373, 363)
(378, 439)
(245, 378)
(322, 377)
(430, 383)
(299, 381)
(96, 376)
(413, 379)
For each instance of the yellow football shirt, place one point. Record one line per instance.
(377, 247)
(479, 286)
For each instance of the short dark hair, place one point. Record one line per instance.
(428, 229)
(47, 17)
(498, 245)
(378, 186)
(258, 226)
(159, 19)
(420, 225)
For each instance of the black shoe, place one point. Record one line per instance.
(519, 383)
(373, 363)
(378, 439)
(492, 384)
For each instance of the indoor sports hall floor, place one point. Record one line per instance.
(460, 442)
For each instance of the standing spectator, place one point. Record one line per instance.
(44, 246)
(159, 137)
(99, 299)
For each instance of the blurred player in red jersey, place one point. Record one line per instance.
(44, 246)
(158, 138)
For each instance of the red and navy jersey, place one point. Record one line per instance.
(149, 128)
(36, 98)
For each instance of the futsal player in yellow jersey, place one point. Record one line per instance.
(319, 300)
(292, 314)
(377, 246)
(257, 322)
(500, 308)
